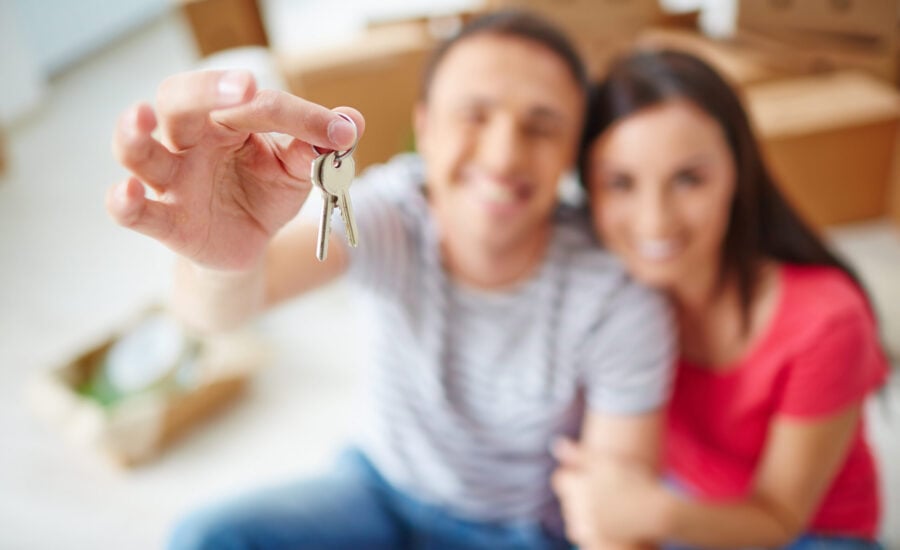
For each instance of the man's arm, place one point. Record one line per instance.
(228, 167)
(212, 300)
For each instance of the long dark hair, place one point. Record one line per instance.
(762, 223)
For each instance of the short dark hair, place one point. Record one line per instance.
(762, 224)
(511, 23)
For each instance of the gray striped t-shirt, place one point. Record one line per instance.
(468, 388)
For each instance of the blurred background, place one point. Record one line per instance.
(820, 79)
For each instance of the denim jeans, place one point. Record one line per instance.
(821, 542)
(811, 542)
(351, 508)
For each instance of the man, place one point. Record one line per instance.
(498, 321)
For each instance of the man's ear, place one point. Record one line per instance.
(420, 125)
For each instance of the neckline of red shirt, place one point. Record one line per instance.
(759, 344)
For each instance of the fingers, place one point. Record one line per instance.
(184, 102)
(569, 453)
(127, 205)
(138, 151)
(566, 485)
(295, 156)
(276, 111)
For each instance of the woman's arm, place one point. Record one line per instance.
(800, 460)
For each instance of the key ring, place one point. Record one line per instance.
(339, 156)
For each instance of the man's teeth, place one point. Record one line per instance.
(498, 193)
(657, 249)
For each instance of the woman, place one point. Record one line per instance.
(765, 442)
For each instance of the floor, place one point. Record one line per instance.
(68, 274)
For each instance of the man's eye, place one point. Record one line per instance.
(621, 183)
(540, 130)
(473, 116)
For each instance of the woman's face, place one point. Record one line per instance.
(662, 182)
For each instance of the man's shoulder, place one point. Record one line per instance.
(585, 255)
(400, 178)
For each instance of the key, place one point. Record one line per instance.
(328, 203)
(336, 174)
(339, 169)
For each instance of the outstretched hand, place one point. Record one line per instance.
(228, 166)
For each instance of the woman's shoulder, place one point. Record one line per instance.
(823, 295)
(818, 305)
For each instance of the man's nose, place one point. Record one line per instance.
(501, 146)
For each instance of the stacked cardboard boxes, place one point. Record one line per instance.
(740, 65)
(602, 29)
(810, 36)
(830, 141)
(377, 74)
(222, 24)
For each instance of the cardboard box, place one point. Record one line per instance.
(871, 20)
(588, 20)
(133, 427)
(740, 65)
(222, 24)
(379, 74)
(435, 27)
(830, 142)
(813, 54)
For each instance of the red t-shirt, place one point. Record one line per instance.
(819, 354)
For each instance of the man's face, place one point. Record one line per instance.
(499, 128)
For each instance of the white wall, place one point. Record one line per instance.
(39, 38)
(21, 81)
(61, 32)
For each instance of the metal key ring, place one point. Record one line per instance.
(339, 156)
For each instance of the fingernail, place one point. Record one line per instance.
(121, 192)
(128, 124)
(341, 133)
(232, 86)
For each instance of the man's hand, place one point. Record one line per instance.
(228, 168)
(605, 498)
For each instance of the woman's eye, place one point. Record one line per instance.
(687, 178)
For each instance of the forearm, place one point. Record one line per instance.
(209, 300)
(607, 544)
(748, 523)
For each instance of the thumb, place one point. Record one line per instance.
(568, 452)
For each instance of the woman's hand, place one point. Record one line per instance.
(606, 498)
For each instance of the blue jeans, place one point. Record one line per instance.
(821, 542)
(351, 508)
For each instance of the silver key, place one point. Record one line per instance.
(339, 169)
(336, 174)
(328, 203)
(314, 171)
